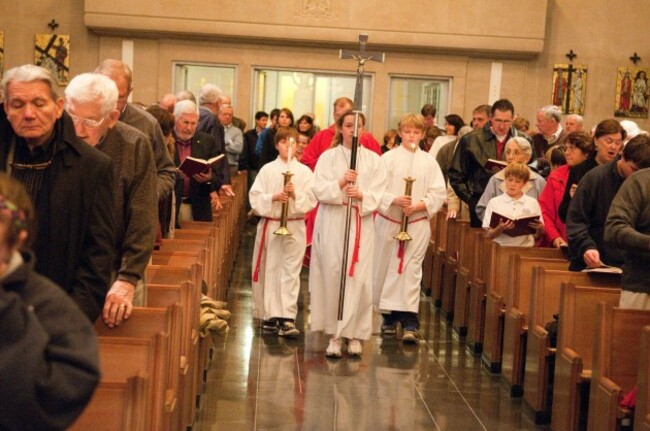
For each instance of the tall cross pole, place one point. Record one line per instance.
(362, 56)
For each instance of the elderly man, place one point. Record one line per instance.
(549, 130)
(573, 123)
(468, 175)
(71, 186)
(234, 136)
(209, 102)
(91, 101)
(196, 196)
(137, 117)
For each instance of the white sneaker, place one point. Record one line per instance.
(354, 347)
(334, 348)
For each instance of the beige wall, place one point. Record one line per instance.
(455, 40)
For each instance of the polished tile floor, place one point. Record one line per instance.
(261, 382)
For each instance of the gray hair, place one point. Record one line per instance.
(576, 117)
(185, 107)
(551, 111)
(185, 95)
(223, 107)
(29, 73)
(523, 143)
(93, 88)
(210, 93)
(115, 68)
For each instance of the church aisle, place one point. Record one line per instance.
(262, 382)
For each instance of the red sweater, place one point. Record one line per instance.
(550, 200)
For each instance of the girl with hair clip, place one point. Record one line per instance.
(49, 365)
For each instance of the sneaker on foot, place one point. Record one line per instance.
(410, 335)
(270, 325)
(334, 348)
(354, 347)
(288, 329)
(388, 330)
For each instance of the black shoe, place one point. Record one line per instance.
(289, 330)
(388, 330)
(270, 326)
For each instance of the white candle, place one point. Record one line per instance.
(292, 142)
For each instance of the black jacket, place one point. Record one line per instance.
(74, 242)
(49, 365)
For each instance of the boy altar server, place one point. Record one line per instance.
(398, 264)
(277, 259)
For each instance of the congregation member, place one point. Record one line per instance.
(234, 137)
(137, 117)
(49, 364)
(518, 150)
(167, 102)
(323, 139)
(398, 264)
(334, 184)
(273, 118)
(209, 103)
(590, 204)
(607, 143)
(236, 121)
(628, 229)
(548, 121)
(166, 211)
(269, 152)
(444, 158)
(301, 144)
(429, 112)
(480, 116)
(70, 184)
(277, 259)
(91, 101)
(198, 195)
(514, 203)
(248, 159)
(453, 123)
(467, 174)
(389, 140)
(305, 125)
(573, 123)
(577, 147)
(522, 124)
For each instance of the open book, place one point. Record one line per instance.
(192, 165)
(606, 269)
(521, 224)
(494, 165)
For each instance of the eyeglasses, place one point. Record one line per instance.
(87, 122)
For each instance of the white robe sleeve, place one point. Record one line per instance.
(260, 197)
(436, 191)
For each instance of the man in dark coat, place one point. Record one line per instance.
(69, 182)
(201, 191)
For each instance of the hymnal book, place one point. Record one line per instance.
(605, 269)
(494, 165)
(521, 224)
(192, 165)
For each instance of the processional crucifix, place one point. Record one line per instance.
(362, 56)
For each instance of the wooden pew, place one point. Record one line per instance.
(540, 356)
(427, 262)
(515, 325)
(148, 322)
(439, 256)
(453, 249)
(469, 261)
(496, 285)
(177, 284)
(615, 364)
(642, 410)
(202, 246)
(115, 406)
(477, 292)
(575, 341)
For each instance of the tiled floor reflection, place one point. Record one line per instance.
(260, 382)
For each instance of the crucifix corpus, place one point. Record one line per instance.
(362, 56)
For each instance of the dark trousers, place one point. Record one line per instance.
(407, 319)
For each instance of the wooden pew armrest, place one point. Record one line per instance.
(609, 385)
(170, 400)
(585, 376)
(185, 364)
